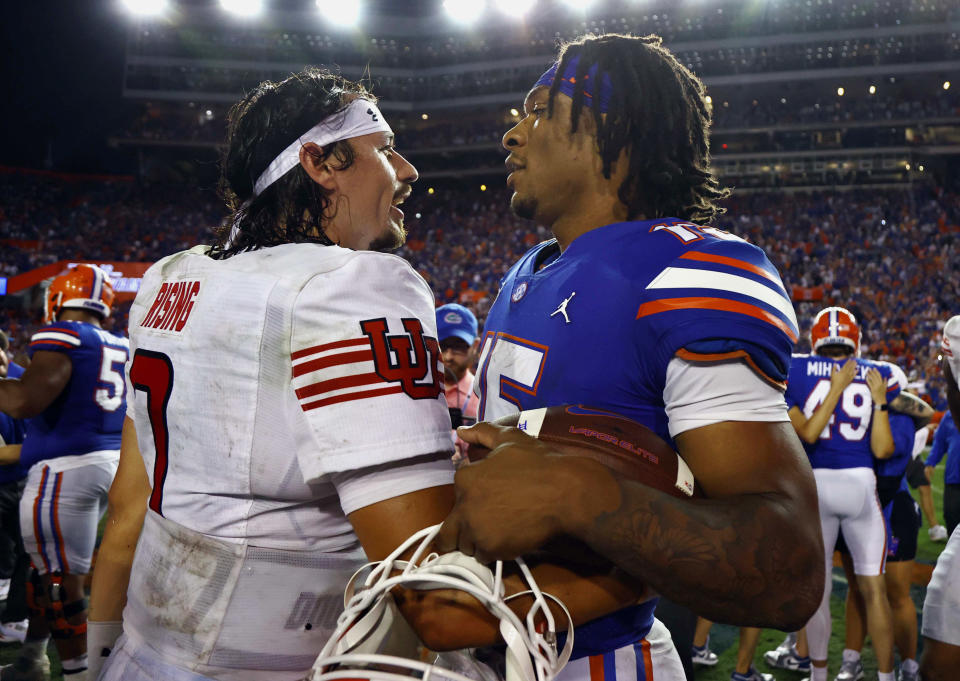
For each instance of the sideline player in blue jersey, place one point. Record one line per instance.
(839, 405)
(902, 518)
(73, 392)
(640, 308)
(13, 559)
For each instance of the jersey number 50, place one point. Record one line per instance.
(152, 372)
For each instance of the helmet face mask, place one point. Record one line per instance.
(835, 326)
(86, 287)
(371, 635)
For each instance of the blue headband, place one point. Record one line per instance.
(567, 82)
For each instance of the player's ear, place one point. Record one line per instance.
(319, 170)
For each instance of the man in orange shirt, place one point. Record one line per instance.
(459, 341)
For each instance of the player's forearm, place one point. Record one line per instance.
(9, 454)
(751, 560)
(914, 407)
(111, 576)
(881, 438)
(810, 431)
(450, 620)
(13, 398)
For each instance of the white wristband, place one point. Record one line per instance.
(101, 637)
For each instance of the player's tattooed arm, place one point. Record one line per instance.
(914, 407)
(751, 555)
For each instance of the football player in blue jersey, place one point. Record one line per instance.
(73, 392)
(903, 523)
(639, 307)
(839, 405)
(14, 563)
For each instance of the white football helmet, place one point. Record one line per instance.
(373, 642)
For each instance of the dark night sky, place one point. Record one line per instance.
(62, 67)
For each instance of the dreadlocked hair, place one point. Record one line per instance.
(658, 115)
(259, 127)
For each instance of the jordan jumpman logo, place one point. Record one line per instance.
(562, 308)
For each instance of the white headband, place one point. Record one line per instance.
(360, 117)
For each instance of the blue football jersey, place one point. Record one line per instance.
(904, 433)
(845, 441)
(88, 414)
(599, 323)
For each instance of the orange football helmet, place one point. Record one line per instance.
(835, 326)
(85, 287)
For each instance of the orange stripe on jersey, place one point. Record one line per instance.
(362, 395)
(61, 547)
(36, 518)
(647, 659)
(732, 262)
(330, 346)
(596, 668)
(669, 304)
(683, 353)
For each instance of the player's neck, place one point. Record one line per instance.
(78, 316)
(603, 210)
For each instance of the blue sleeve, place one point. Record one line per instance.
(939, 446)
(893, 387)
(796, 395)
(722, 300)
(57, 337)
(903, 431)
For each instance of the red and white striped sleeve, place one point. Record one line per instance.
(365, 367)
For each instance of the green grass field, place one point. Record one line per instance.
(723, 638)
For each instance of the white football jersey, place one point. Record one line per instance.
(265, 389)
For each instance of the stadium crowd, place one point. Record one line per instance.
(860, 248)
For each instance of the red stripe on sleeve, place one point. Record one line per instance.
(353, 342)
(362, 395)
(332, 361)
(338, 384)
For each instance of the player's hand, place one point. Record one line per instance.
(511, 502)
(843, 376)
(878, 386)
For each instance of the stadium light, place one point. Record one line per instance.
(424, 116)
(873, 90)
(244, 8)
(464, 11)
(483, 187)
(146, 8)
(345, 13)
(515, 7)
(840, 92)
(946, 85)
(709, 99)
(514, 113)
(580, 5)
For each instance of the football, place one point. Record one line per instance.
(629, 448)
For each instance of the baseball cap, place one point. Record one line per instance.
(456, 320)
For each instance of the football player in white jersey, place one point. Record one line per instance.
(941, 607)
(287, 421)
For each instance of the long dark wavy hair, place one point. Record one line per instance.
(658, 114)
(259, 127)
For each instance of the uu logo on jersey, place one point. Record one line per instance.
(405, 358)
(519, 291)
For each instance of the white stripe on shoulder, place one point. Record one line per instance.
(689, 277)
(55, 336)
